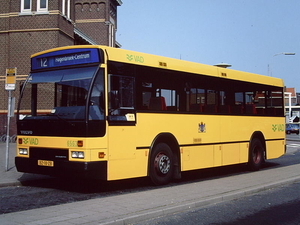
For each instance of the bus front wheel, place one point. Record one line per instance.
(161, 164)
(256, 155)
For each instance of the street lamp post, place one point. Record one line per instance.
(282, 53)
(285, 53)
(270, 74)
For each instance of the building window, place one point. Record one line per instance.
(26, 6)
(42, 5)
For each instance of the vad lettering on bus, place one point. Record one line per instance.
(135, 58)
(139, 59)
(278, 127)
(34, 141)
(31, 141)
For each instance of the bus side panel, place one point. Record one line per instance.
(197, 157)
(194, 133)
(122, 142)
(125, 161)
(129, 168)
(244, 152)
(235, 153)
(185, 128)
(230, 154)
(275, 149)
(240, 129)
(217, 155)
(213, 155)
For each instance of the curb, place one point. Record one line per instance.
(131, 219)
(11, 184)
(298, 140)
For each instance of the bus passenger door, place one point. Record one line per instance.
(122, 127)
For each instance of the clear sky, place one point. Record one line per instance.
(248, 34)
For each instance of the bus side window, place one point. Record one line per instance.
(146, 96)
(196, 98)
(169, 100)
(114, 100)
(238, 107)
(157, 104)
(121, 98)
(224, 107)
(274, 99)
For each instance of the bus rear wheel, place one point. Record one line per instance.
(161, 164)
(256, 155)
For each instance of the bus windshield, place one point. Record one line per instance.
(63, 93)
(66, 102)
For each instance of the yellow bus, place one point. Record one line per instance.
(109, 113)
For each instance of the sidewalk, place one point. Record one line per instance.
(133, 207)
(12, 177)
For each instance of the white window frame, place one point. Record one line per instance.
(66, 11)
(63, 7)
(42, 10)
(23, 10)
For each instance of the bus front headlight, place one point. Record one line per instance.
(77, 155)
(23, 151)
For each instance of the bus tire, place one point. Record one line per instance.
(161, 164)
(256, 155)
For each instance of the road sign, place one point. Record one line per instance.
(10, 81)
(10, 85)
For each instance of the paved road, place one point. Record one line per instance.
(128, 204)
(53, 191)
(276, 206)
(293, 137)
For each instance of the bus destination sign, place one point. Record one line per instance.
(65, 58)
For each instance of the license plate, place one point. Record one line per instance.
(45, 163)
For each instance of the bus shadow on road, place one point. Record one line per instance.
(269, 165)
(214, 173)
(108, 188)
(55, 191)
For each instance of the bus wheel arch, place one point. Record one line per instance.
(163, 148)
(257, 151)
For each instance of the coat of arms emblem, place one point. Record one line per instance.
(201, 127)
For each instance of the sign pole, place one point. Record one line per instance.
(10, 85)
(7, 130)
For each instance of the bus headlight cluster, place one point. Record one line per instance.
(23, 151)
(77, 155)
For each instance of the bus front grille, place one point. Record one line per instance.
(49, 154)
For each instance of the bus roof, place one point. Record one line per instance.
(143, 59)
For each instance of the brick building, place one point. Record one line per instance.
(293, 96)
(30, 26)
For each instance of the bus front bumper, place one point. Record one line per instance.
(92, 170)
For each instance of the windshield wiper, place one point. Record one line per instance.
(62, 119)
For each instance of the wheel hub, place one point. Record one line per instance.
(162, 163)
